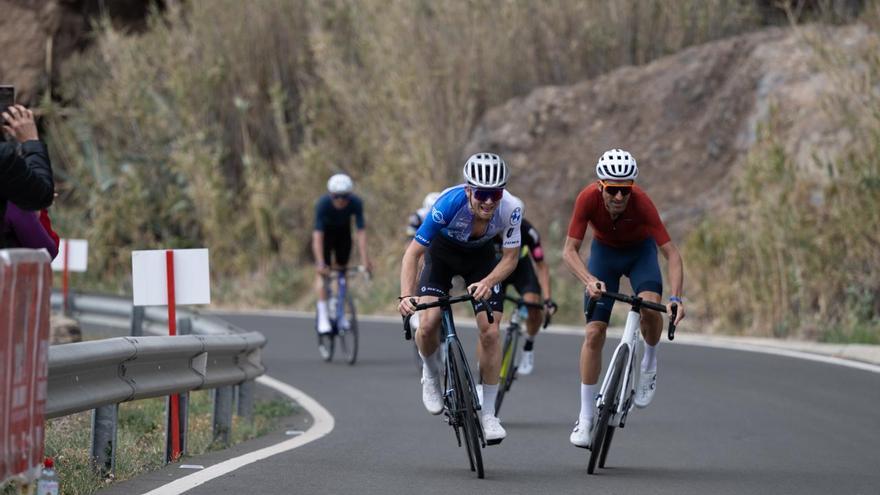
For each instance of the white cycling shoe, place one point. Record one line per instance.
(582, 434)
(527, 364)
(324, 326)
(646, 388)
(431, 396)
(493, 432)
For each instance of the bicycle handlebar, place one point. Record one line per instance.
(638, 301)
(445, 302)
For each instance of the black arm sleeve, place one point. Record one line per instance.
(26, 180)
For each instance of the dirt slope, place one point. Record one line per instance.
(689, 119)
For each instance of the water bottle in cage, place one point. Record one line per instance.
(519, 315)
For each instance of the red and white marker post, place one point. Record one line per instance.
(73, 256)
(186, 281)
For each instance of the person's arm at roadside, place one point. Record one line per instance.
(25, 180)
(28, 230)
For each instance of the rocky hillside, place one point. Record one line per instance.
(37, 36)
(689, 119)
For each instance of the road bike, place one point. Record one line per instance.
(617, 393)
(511, 350)
(461, 407)
(343, 317)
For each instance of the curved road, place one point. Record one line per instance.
(722, 422)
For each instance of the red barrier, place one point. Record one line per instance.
(25, 287)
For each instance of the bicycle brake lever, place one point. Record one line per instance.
(488, 310)
(671, 331)
(407, 330)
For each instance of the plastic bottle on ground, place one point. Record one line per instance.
(47, 483)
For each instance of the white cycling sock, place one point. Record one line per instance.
(489, 394)
(649, 360)
(431, 369)
(588, 400)
(322, 310)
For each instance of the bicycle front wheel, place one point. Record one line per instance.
(469, 414)
(325, 344)
(508, 367)
(606, 410)
(348, 337)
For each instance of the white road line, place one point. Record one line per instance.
(323, 425)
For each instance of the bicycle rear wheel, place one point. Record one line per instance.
(606, 409)
(470, 420)
(348, 337)
(508, 367)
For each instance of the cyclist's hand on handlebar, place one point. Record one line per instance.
(407, 305)
(551, 306)
(322, 269)
(596, 288)
(679, 315)
(480, 290)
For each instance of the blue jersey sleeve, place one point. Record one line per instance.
(441, 214)
(358, 212)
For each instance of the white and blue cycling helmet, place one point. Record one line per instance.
(485, 170)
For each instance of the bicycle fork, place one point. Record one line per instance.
(629, 341)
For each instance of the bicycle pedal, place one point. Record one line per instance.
(494, 442)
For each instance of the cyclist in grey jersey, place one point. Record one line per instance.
(456, 239)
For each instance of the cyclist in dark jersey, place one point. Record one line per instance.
(331, 237)
(626, 233)
(531, 286)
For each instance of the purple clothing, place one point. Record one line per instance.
(25, 227)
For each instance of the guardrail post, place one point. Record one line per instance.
(246, 399)
(223, 414)
(137, 321)
(104, 439)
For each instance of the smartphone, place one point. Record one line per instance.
(7, 97)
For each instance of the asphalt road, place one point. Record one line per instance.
(722, 422)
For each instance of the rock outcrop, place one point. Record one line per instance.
(689, 119)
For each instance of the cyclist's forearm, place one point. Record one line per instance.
(504, 268)
(318, 246)
(676, 274)
(409, 267)
(572, 258)
(544, 279)
(362, 245)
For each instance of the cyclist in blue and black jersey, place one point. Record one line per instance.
(456, 239)
(532, 282)
(331, 237)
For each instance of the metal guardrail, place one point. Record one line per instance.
(87, 375)
(100, 374)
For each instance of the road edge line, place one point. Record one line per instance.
(323, 425)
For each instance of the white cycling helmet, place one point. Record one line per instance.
(430, 199)
(485, 170)
(617, 164)
(340, 184)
